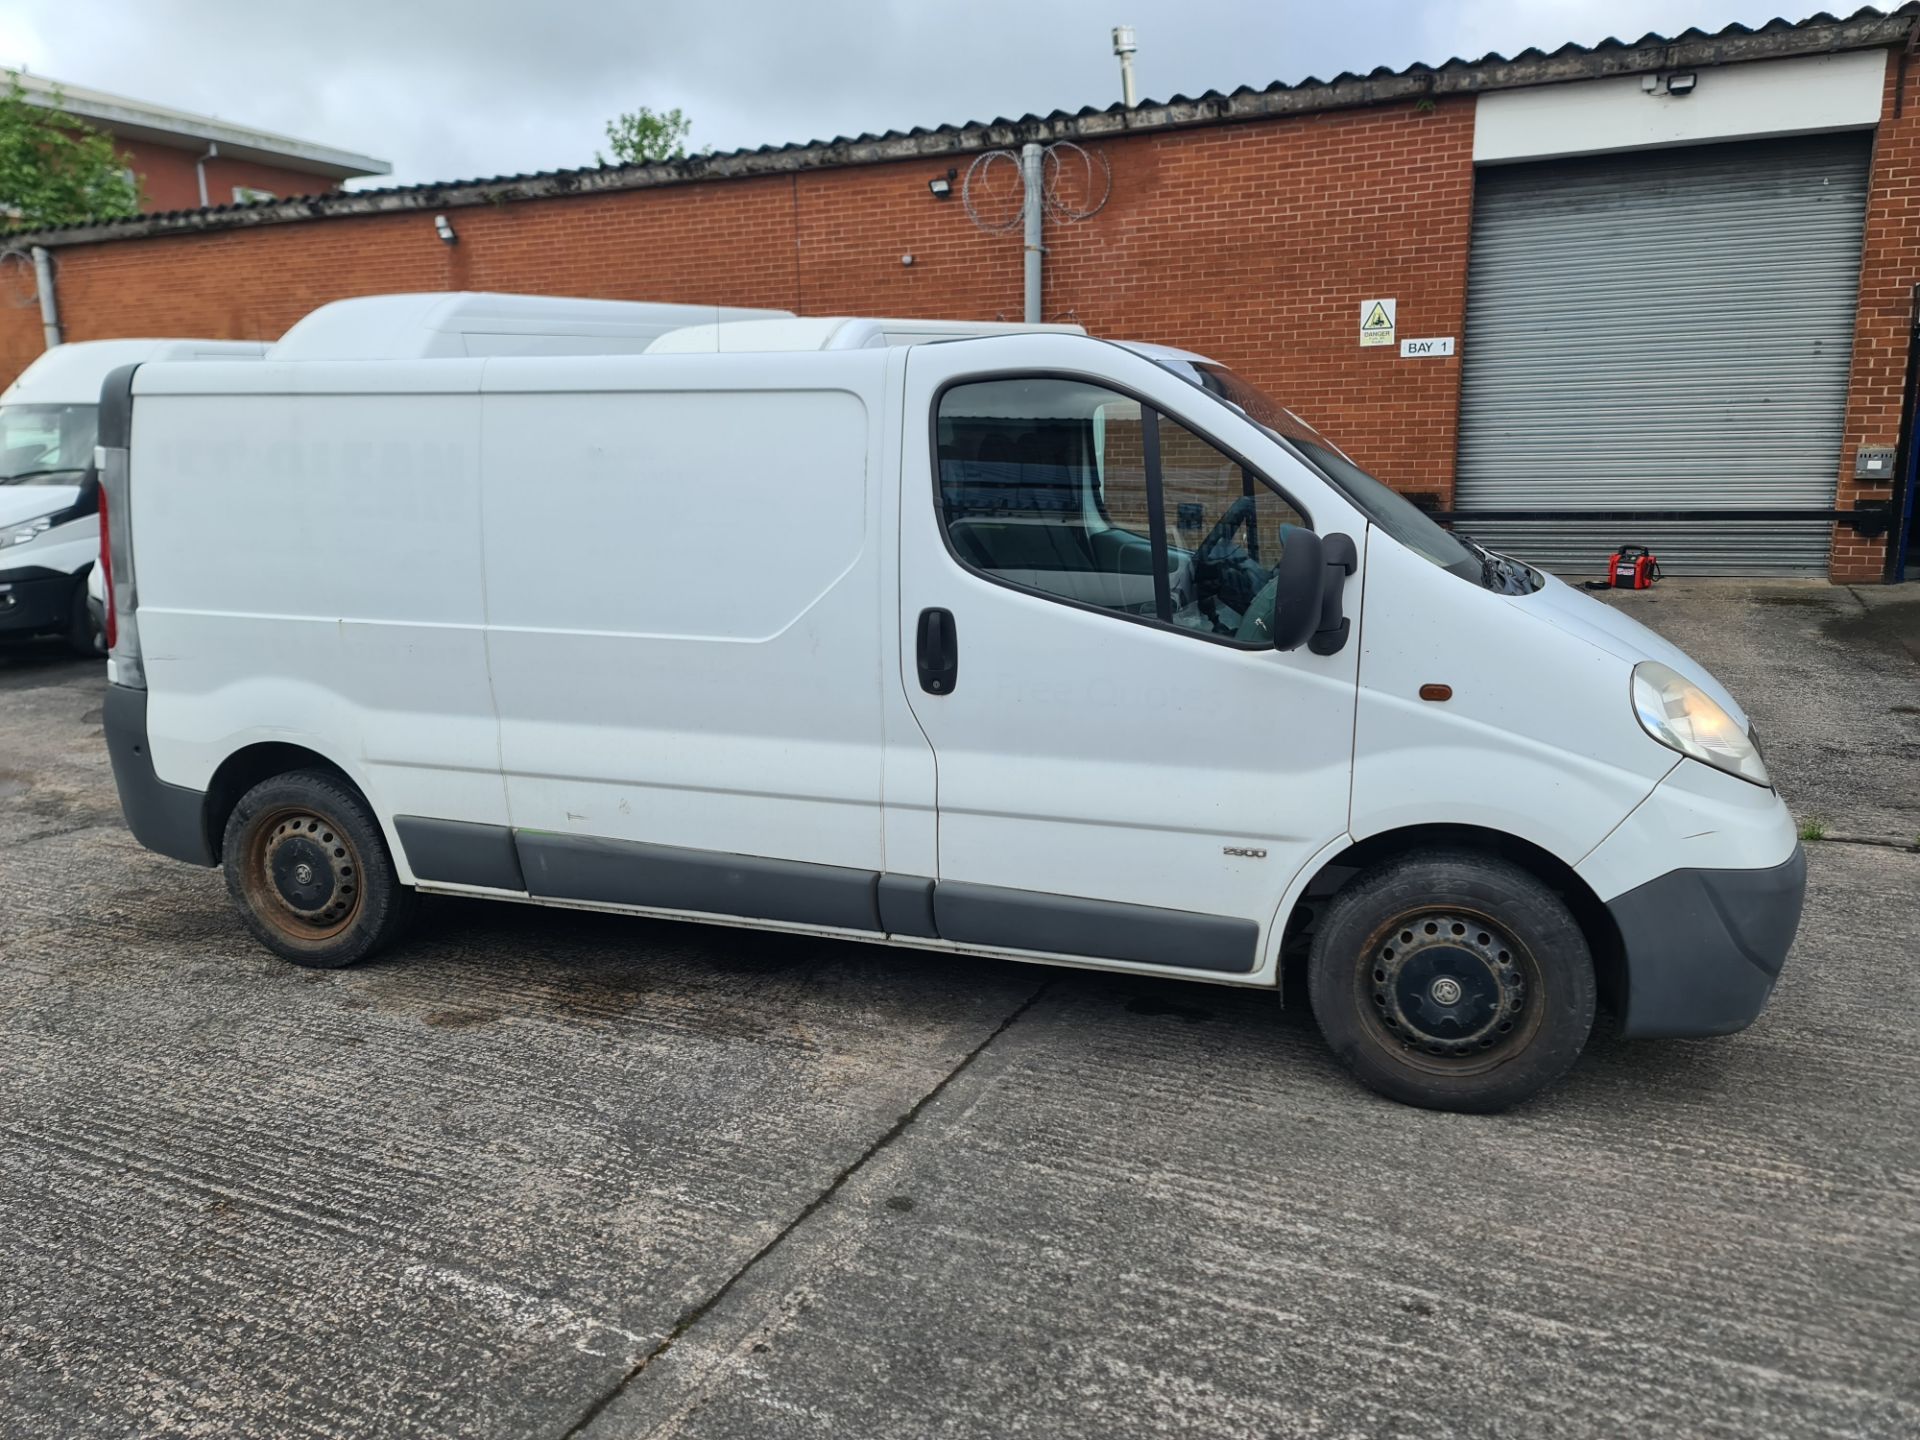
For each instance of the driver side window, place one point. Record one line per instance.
(1088, 496)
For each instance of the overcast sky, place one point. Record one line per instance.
(449, 89)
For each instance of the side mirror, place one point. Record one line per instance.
(1298, 582)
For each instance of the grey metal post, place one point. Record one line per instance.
(49, 306)
(1036, 214)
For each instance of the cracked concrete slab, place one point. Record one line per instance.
(1178, 1218)
(454, 1196)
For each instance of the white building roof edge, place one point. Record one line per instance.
(139, 120)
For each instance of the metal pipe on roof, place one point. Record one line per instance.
(1036, 214)
(49, 305)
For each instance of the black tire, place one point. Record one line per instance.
(1453, 981)
(83, 636)
(310, 871)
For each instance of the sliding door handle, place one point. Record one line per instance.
(938, 648)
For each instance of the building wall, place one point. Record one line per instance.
(169, 181)
(1883, 328)
(1255, 242)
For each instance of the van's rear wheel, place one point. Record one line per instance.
(310, 871)
(1453, 981)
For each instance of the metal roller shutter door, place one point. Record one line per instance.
(1668, 330)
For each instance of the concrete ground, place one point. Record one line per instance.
(544, 1174)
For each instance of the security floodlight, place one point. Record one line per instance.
(444, 229)
(942, 185)
(1681, 84)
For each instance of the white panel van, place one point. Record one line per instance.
(49, 491)
(1019, 644)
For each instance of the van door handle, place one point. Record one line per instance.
(939, 652)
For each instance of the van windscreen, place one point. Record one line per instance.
(1380, 503)
(46, 444)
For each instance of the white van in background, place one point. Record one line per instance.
(49, 494)
(1029, 645)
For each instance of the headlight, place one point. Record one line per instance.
(21, 531)
(1683, 717)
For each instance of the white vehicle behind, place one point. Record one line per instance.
(49, 492)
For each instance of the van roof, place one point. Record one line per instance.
(71, 374)
(833, 332)
(463, 323)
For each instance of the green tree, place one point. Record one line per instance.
(55, 170)
(643, 136)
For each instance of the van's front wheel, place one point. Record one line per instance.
(1453, 981)
(309, 870)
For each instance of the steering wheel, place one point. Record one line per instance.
(1212, 580)
(1241, 512)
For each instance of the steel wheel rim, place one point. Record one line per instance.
(1448, 990)
(303, 875)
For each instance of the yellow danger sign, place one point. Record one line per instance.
(1376, 322)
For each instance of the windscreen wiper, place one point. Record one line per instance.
(1498, 573)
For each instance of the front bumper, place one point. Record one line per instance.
(1704, 947)
(34, 602)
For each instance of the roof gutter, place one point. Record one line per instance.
(1865, 31)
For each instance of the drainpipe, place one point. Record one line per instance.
(1036, 217)
(49, 306)
(200, 170)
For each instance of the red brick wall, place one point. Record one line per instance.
(1251, 243)
(1890, 266)
(168, 180)
(1255, 243)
